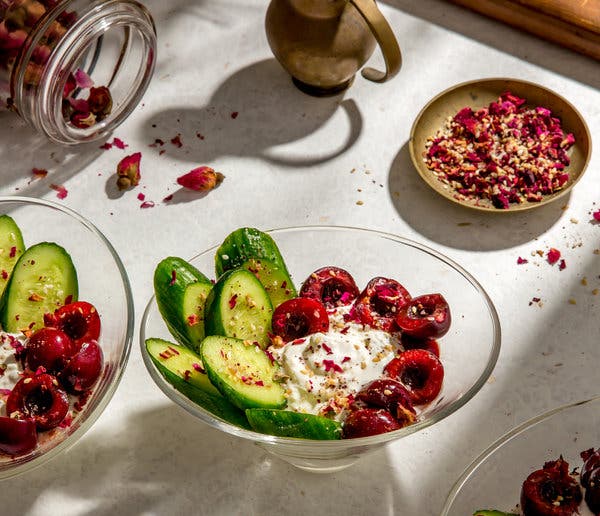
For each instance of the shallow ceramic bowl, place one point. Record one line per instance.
(468, 352)
(102, 282)
(478, 94)
(494, 479)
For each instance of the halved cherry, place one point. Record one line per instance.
(425, 317)
(369, 421)
(551, 491)
(39, 398)
(49, 348)
(378, 304)
(17, 436)
(83, 369)
(79, 320)
(420, 371)
(298, 317)
(431, 345)
(331, 286)
(390, 395)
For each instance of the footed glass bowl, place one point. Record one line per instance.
(468, 351)
(102, 282)
(494, 479)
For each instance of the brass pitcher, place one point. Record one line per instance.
(323, 43)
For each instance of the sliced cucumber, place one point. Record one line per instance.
(286, 423)
(181, 291)
(11, 248)
(239, 307)
(43, 279)
(256, 251)
(183, 370)
(275, 280)
(242, 372)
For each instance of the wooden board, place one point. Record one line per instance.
(574, 24)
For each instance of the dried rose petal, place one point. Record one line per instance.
(106, 146)
(147, 204)
(100, 101)
(553, 256)
(521, 261)
(39, 173)
(80, 105)
(82, 79)
(83, 120)
(201, 179)
(119, 144)
(128, 171)
(61, 191)
(176, 140)
(562, 265)
(70, 86)
(596, 215)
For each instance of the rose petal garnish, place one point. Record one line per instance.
(61, 191)
(201, 179)
(119, 144)
(553, 256)
(596, 215)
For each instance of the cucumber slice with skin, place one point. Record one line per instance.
(256, 251)
(182, 369)
(286, 423)
(181, 291)
(11, 248)
(275, 280)
(239, 307)
(43, 279)
(242, 372)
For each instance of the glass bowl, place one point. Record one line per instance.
(468, 351)
(494, 479)
(102, 282)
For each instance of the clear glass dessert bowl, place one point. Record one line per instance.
(468, 351)
(494, 479)
(103, 282)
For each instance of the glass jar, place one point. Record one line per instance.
(75, 69)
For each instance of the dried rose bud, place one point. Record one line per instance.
(201, 179)
(100, 101)
(70, 86)
(128, 171)
(83, 120)
(15, 18)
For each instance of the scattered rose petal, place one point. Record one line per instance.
(521, 261)
(147, 204)
(562, 265)
(596, 215)
(234, 115)
(168, 198)
(39, 173)
(176, 140)
(106, 146)
(61, 191)
(128, 171)
(553, 256)
(201, 179)
(82, 79)
(156, 143)
(119, 144)
(141, 197)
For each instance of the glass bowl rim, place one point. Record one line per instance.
(215, 422)
(71, 439)
(502, 440)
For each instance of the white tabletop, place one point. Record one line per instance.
(290, 159)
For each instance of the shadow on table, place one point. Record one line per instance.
(447, 223)
(251, 113)
(23, 149)
(504, 38)
(166, 462)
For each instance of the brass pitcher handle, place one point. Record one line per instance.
(385, 37)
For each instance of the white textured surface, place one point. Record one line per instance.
(288, 160)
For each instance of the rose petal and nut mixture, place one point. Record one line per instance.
(504, 153)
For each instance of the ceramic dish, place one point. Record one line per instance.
(468, 351)
(102, 282)
(478, 94)
(494, 479)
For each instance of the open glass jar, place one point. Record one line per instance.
(75, 69)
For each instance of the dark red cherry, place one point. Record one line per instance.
(425, 317)
(390, 395)
(378, 304)
(369, 421)
(17, 436)
(298, 318)
(331, 286)
(83, 369)
(79, 320)
(551, 491)
(39, 398)
(420, 371)
(50, 348)
(430, 345)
